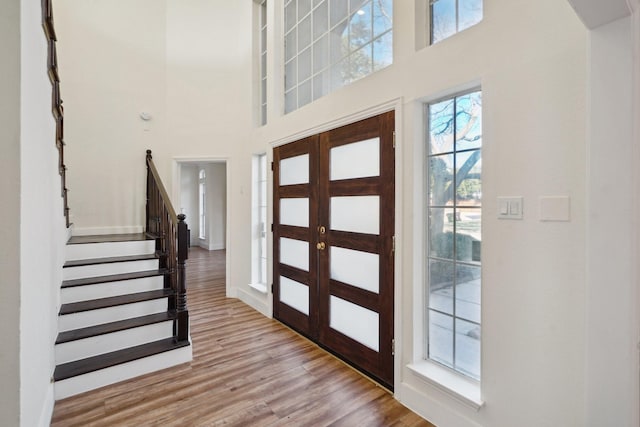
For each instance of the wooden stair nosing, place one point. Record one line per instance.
(113, 278)
(107, 328)
(94, 304)
(108, 260)
(107, 360)
(108, 238)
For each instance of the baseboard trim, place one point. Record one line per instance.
(432, 410)
(123, 229)
(254, 302)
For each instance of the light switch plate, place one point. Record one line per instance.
(510, 207)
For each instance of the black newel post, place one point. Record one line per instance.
(181, 291)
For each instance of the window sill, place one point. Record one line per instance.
(464, 390)
(259, 287)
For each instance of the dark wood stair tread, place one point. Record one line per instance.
(107, 360)
(121, 325)
(107, 238)
(94, 304)
(109, 260)
(113, 278)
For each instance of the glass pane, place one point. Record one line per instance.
(441, 221)
(342, 165)
(294, 170)
(290, 101)
(321, 85)
(337, 11)
(360, 27)
(355, 268)
(338, 73)
(468, 348)
(263, 65)
(263, 89)
(382, 16)
(294, 294)
(441, 338)
(356, 322)
(290, 16)
(294, 253)
(360, 64)
(443, 19)
(290, 74)
(291, 47)
(304, 93)
(321, 54)
(441, 180)
(304, 33)
(468, 176)
(358, 214)
(321, 20)
(469, 121)
(469, 13)
(441, 127)
(304, 65)
(304, 7)
(263, 40)
(294, 212)
(468, 235)
(441, 286)
(468, 292)
(383, 51)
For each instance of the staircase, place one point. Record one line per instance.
(115, 320)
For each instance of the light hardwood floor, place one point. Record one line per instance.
(247, 370)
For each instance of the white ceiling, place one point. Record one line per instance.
(595, 13)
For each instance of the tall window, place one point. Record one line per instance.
(263, 60)
(202, 194)
(454, 184)
(451, 16)
(331, 43)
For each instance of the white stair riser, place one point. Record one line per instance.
(109, 249)
(93, 346)
(110, 289)
(84, 319)
(94, 270)
(125, 371)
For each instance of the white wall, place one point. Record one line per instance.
(612, 256)
(216, 208)
(10, 212)
(189, 198)
(112, 65)
(42, 227)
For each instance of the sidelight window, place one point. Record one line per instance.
(454, 209)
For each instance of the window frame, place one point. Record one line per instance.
(465, 377)
(323, 75)
(430, 20)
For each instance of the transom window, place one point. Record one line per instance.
(331, 43)
(451, 16)
(454, 184)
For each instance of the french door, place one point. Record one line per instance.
(333, 241)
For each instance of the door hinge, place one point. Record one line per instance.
(272, 288)
(272, 227)
(271, 165)
(393, 244)
(394, 139)
(393, 347)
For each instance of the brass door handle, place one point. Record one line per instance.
(321, 246)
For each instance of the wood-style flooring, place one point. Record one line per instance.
(247, 370)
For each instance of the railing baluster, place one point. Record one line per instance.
(170, 232)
